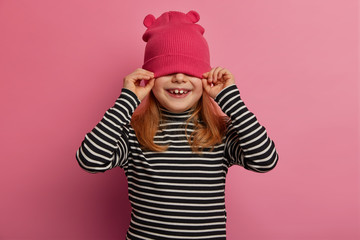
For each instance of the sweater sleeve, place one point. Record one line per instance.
(106, 145)
(247, 143)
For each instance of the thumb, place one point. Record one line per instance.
(150, 84)
(206, 85)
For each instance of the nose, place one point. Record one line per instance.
(179, 78)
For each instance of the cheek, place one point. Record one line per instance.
(156, 89)
(156, 93)
(199, 95)
(159, 85)
(159, 94)
(198, 88)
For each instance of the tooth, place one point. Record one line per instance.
(185, 92)
(181, 91)
(176, 91)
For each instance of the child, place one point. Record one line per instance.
(177, 146)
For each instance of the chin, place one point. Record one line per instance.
(177, 110)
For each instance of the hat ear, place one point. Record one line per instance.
(148, 20)
(194, 16)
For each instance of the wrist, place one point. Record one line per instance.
(221, 92)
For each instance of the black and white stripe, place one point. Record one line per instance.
(177, 194)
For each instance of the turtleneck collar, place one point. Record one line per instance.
(176, 117)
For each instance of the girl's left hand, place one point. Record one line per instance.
(216, 80)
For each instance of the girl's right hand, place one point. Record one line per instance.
(133, 80)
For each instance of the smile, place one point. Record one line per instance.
(178, 92)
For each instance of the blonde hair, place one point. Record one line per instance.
(209, 122)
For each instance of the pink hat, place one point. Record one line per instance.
(175, 44)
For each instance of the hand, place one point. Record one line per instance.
(216, 80)
(133, 80)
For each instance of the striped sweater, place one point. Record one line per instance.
(177, 194)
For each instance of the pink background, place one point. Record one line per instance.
(296, 65)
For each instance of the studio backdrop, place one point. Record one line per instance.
(62, 65)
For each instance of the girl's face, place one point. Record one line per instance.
(178, 92)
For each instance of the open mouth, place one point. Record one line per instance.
(178, 92)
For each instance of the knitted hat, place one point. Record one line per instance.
(175, 44)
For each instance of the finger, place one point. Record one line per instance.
(143, 71)
(150, 84)
(206, 85)
(229, 76)
(150, 73)
(208, 77)
(206, 74)
(211, 73)
(214, 75)
(221, 73)
(141, 76)
(216, 72)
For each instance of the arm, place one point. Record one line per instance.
(106, 146)
(247, 142)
